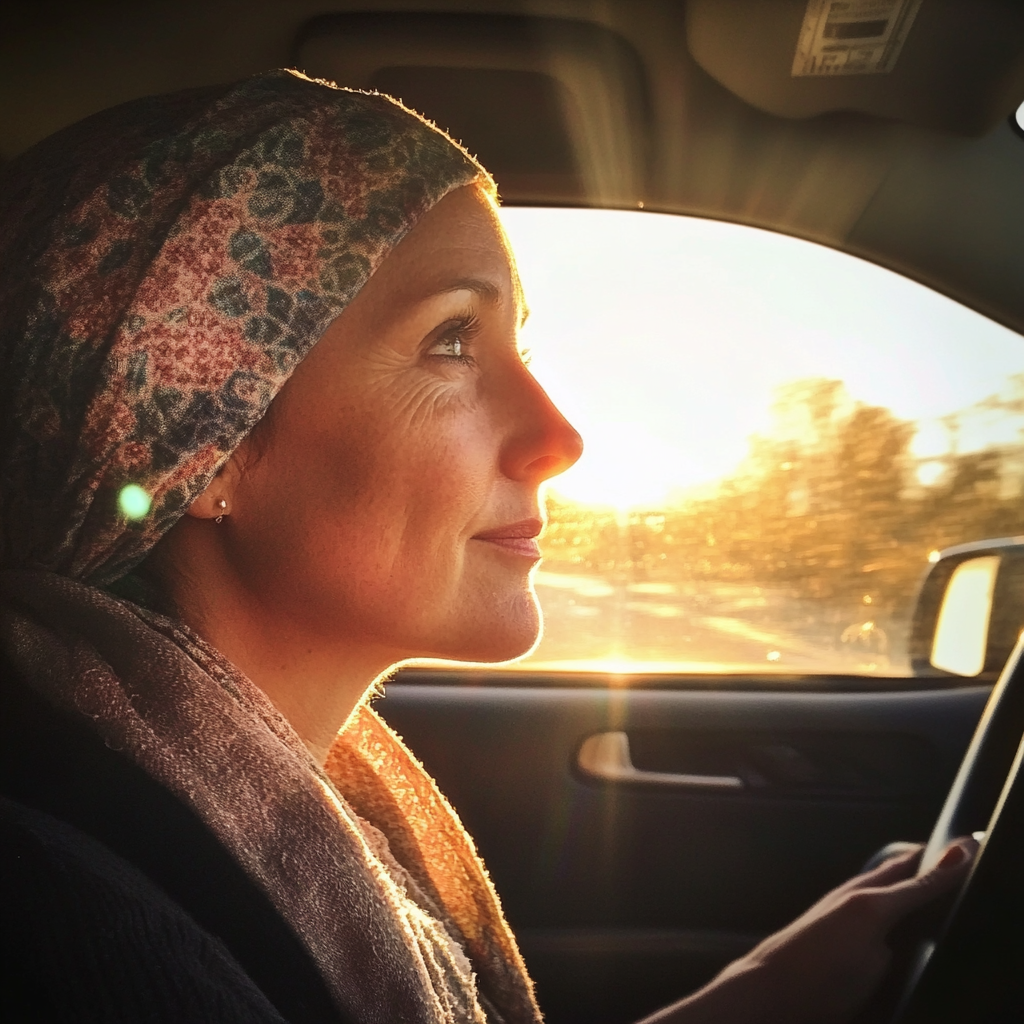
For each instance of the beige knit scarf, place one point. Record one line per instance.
(365, 859)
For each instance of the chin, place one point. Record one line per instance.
(498, 639)
(501, 648)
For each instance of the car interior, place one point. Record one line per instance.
(647, 815)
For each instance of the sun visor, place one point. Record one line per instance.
(950, 65)
(557, 109)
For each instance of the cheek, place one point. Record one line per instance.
(368, 526)
(293, 507)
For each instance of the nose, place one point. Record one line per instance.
(542, 442)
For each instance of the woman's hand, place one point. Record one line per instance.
(822, 968)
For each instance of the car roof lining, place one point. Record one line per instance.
(875, 172)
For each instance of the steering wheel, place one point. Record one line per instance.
(970, 968)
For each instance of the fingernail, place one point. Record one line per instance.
(952, 857)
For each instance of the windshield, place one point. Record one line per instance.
(778, 438)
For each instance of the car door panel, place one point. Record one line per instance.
(627, 894)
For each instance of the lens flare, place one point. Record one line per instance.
(134, 502)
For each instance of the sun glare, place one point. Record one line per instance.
(665, 339)
(632, 468)
(779, 437)
(134, 502)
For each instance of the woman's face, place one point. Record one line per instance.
(392, 498)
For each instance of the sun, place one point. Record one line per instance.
(629, 461)
(622, 467)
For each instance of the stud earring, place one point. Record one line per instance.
(221, 504)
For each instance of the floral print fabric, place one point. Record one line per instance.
(166, 265)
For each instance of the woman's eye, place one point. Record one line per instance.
(454, 343)
(452, 347)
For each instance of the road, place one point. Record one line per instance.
(592, 622)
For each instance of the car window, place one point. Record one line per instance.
(778, 438)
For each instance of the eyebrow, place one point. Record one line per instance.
(484, 288)
(487, 290)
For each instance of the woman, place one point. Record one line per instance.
(267, 433)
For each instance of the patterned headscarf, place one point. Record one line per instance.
(166, 265)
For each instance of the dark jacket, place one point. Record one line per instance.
(117, 903)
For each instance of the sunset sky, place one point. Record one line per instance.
(663, 339)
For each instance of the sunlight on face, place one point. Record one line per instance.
(394, 511)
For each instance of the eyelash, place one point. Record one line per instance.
(460, 333)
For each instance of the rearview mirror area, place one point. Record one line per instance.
(970, 611)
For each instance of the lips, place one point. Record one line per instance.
(516, 538)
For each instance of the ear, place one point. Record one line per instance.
(217, 499)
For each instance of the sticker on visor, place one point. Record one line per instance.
(852, 37)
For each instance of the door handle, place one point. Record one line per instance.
(605, 756)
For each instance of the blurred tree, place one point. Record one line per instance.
(827, 508)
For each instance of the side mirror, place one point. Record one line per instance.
(970, 610)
